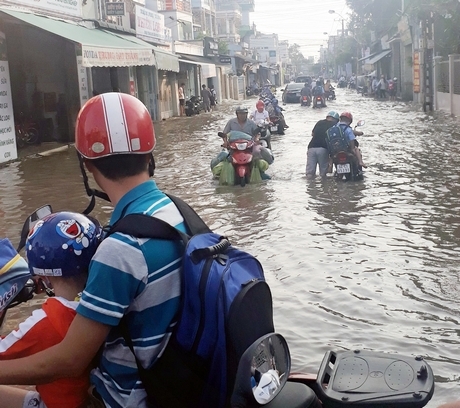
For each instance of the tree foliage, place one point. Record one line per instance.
(380, 17)
(222, 47)
(296, 56)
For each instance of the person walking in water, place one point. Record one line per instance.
(206, 96)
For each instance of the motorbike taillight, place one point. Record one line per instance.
(341, 157)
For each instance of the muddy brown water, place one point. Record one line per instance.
(371, 265)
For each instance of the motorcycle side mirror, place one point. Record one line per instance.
(30, 221)
(221, 134)
(263, 370)
(361, 122)
(282, 90)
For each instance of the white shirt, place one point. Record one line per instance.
(257, 116)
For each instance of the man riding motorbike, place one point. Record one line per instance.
(306, 91)
(318, 90)
(278, 110)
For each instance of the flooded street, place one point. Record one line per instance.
(370, 264)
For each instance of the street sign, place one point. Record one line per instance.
(115, 9)
(225, 60)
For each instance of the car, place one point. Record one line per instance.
(303, 78)
(291, 93)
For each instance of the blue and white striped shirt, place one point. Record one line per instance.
(141, 278)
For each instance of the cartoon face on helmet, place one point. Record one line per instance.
(62, 244)
(113, 123)
(347, 115)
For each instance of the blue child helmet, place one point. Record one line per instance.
(62, 244)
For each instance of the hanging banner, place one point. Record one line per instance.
(416, 67)
(68, 7)
(8, 150)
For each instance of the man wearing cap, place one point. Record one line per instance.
(317, 153)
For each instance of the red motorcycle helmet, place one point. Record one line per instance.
(260, 105)
(347, 115)
(114, 123)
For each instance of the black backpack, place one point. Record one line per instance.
(226, 306)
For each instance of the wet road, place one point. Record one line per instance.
(371, 264)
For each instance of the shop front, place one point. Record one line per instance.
(56, 66)
(168, 67)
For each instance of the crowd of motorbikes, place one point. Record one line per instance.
(241, 151)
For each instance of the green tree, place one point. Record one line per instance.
(223, 47)
(296, 57)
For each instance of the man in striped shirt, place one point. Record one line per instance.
(138, 279)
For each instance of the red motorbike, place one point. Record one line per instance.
(241, 154)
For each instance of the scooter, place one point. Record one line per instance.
(305, 100)
(345, 164)
(240, 153)
(330, 95)
(193, 106)
(318, 102)
(361, 378)
(265, 134)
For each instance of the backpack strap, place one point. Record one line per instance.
(195, 225)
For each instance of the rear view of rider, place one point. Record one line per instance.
(345, 120)
(318, 90)
(305, 91)
(59, 249)
(278, 110)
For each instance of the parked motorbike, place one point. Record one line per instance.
(345, 164)
(193, 106)
(362, 378)
(305, 100)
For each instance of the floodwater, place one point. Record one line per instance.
(370, 264)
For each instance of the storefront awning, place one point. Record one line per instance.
(99, 48)
(208, 68)
(376, 58)
(166, 61)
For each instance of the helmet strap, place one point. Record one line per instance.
(93, 193)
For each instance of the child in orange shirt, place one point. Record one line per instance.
(59, 249)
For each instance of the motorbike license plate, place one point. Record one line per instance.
(273, 128)
(343, 168)
(297, 94)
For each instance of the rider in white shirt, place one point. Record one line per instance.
(260, 114)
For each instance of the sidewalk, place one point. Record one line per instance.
(43, 149)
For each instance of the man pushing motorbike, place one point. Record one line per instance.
(242, 125)
(345, 120)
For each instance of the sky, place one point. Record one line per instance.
(300, 21)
